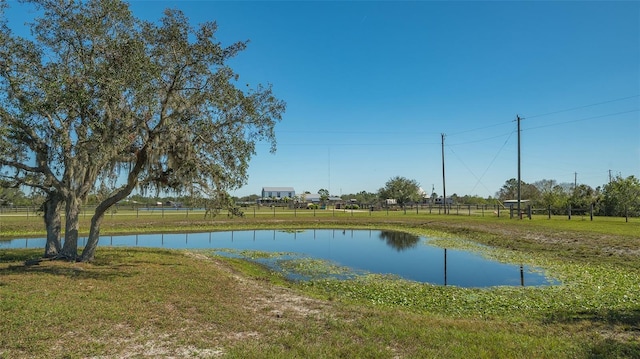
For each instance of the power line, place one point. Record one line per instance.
(382, 143)
(481, 140)
(409, 143)
(583, 119)
(355, 144)
(479, 179)
(479, 128)
(583, 106)
(472, 129)
(331, 132)
(491, 163)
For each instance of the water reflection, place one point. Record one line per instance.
(399, 241)
(405, 255)
(445, 266)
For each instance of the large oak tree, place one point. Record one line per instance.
(98, 96)
(622, 196)
(402, 189)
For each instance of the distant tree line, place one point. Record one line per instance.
(619, 197)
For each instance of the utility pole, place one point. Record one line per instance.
(519, 177)
(329, 167)
(575, 180)
(444, 188)
(609, 176)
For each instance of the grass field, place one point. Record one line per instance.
(157, 303)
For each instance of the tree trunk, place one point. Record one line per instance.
(72, 219)
(88, 253)
(53, 223)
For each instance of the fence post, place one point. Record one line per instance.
(529, 210)
(569, 212)
(469, 210)
(498, 211)
(549, 211)
(591, 211)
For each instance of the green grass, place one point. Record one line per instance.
(161, 303)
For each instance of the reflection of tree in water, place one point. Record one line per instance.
(399, 240)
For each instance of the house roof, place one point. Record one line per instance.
(278, 189)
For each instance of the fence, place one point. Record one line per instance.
(496, 210)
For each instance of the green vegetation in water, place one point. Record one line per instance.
(536, 262)
(291, 265)
(314, 269)
(589, 291)
(250, 254)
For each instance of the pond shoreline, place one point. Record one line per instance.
(356, 251)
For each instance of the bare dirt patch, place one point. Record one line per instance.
(269, 307)
(269, 301)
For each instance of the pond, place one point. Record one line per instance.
(362, 251)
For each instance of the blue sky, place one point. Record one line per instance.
(371, 86)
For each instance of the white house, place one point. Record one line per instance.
(278, 192)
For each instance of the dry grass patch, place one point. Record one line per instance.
(140, 303)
